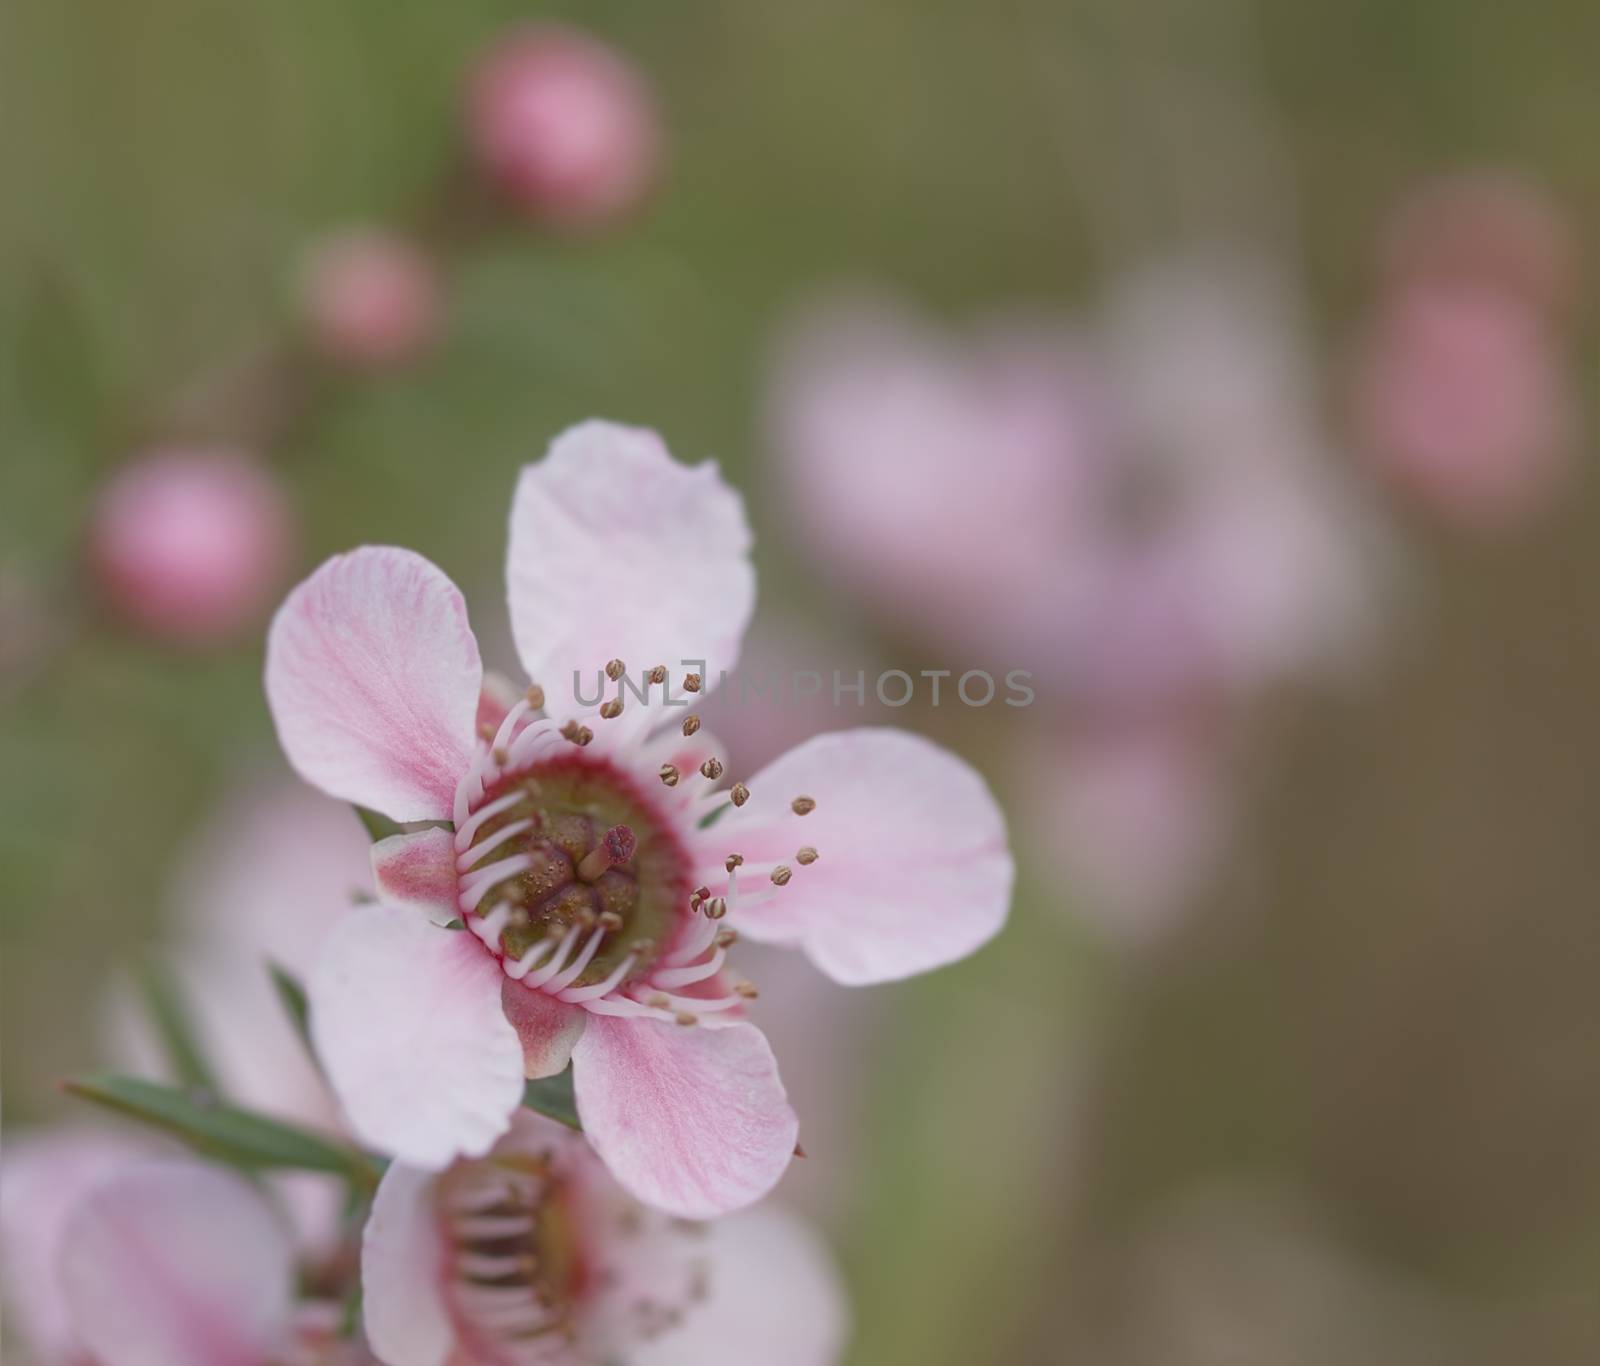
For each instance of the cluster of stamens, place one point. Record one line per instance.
(567, 873)
(514, 1271)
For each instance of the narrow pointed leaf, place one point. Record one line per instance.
(174, 1029)
(241, 1138)
(292, 996)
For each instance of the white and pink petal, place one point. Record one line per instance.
(619, 551)
(178, 1264)
(373, 678)
(417, 871)
(913, 869)
(403, 1272)
(407, 1019)
(693, 1121)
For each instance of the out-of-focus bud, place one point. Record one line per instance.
(1463, 402)
(564, 126)
(371, 299)
(190, 544)
(1489, 228)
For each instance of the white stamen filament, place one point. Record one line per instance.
(564, 979)
(488, 927)
(466, 829)
(578, 995)
(473, 889)
(519, 968)
(478, 852)
(544, 974)
(669, 978)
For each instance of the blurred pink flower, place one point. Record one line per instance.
(602, 940)
(1463, 400)
(371, 299)
(947, 481)
(532, 1253)
(45, 1176)
(564, 126)
(189, 544)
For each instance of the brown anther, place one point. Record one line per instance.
(611, 710)
(610, 921)
(570, 730)
(712, 768)
(615, 669)
(584, 735)
(704, 893)
(668, 774)
(486, 731)
(686, 1018)
(692, 683)
(733, 861)
(746, 990)
(658, 674)
(727, 938)
(803, 806)
(781, 874)
(806, 855)
(499, 755)
(616, 846)
(657, 1000)
(740, 794)
(716, 908)
(535, 696)
(691, 723)
(642, 946)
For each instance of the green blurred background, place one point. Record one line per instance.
(1390, 1010)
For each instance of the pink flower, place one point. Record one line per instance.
(902, 450)
(532, 1254)
(564, 126)
(1464, 402)
(188, 544)
(598, 866)
(47, 1174)
(371, 299)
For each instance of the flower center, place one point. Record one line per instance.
(570, 871)
(515, 1269)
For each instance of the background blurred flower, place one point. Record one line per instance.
(564, 126)
(47, 1174)
(1462, 395)
(190, 544)
(178, 1264)
(371, 299)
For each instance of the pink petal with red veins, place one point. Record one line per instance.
(913, 869)
(771, 1289)
(417, 871)
(618, 551)
(403, 1274)
(373, 678)
(549, 1029)
(693, 1121)
(178, 1264)
(407, 1019)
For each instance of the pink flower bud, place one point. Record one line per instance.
(1463, 401)
(190, 544)
(371, 299)
(564, 126)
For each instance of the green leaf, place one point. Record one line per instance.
(552, 1097)
(238, 1137)
(379, 826)
(292, 996)
(175, 1030)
